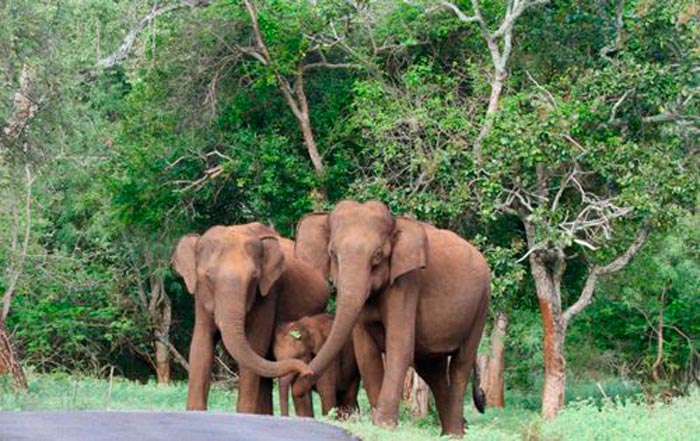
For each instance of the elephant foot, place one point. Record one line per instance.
(386, 420)
(454, 431)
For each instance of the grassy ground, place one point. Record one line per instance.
(592, 418)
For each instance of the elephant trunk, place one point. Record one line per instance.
(353, 290)
(284, 394)
(231, 321)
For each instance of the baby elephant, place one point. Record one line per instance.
(338, 386)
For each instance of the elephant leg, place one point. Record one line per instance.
(248, 391)
(304, 405)
(398, 309)
(200, 360)
(434, 372)
(254, 394)
(265, 397)
(368, 355)
(461, 365)
(347, 399)
(326, 387)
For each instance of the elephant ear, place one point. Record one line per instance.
(317, 339)
(312, 238)
(184, 262)
(272, 265)
(410, 248)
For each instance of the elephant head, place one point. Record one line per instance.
(227, 268)
(364, 249)
(295, 340)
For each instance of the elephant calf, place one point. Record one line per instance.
(338, 386)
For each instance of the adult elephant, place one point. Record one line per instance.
(245, 280)
(416, 293)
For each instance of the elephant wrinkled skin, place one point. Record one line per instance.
(339, 383)
(245, 280)
(409, 290)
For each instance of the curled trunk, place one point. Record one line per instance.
(237, 345)
(231, 320)
(353, 289)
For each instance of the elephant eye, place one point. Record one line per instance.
(377, 256)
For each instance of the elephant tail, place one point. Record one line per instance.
(477, 392)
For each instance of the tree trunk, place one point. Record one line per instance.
(493, 372)
(547, 268)
(416, 393)
(8, 363)
(554, 362)
(160, 310)
(656, 367)
(162, 362)
(494, 100)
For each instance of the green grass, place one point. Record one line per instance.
(623, 417)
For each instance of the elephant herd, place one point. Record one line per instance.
(408, 294)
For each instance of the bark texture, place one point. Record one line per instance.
(160, 310)
(8, 363)
(416, 393)
(492, 366)
(547, 266)
(156, 304)
(25, 107)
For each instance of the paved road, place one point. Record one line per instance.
(160, 426)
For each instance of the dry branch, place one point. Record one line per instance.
(617, 264)
(500, 46)
(15, 270)
(130, 39)
(25, 107)
(294, 94)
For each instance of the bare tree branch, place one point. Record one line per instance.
(327, 65)
(670, 117)
(500, 46)
(617, 264)
(24, 107)
(19, 266)
(294, 95)
(458, 12)
(176, 354)
(130, 39)
(616, 44)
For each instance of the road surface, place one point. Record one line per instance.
(157, 426)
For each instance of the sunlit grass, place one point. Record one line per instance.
(591, 418)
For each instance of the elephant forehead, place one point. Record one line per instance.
(360, 222)
(223, 242)
(371, 208)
